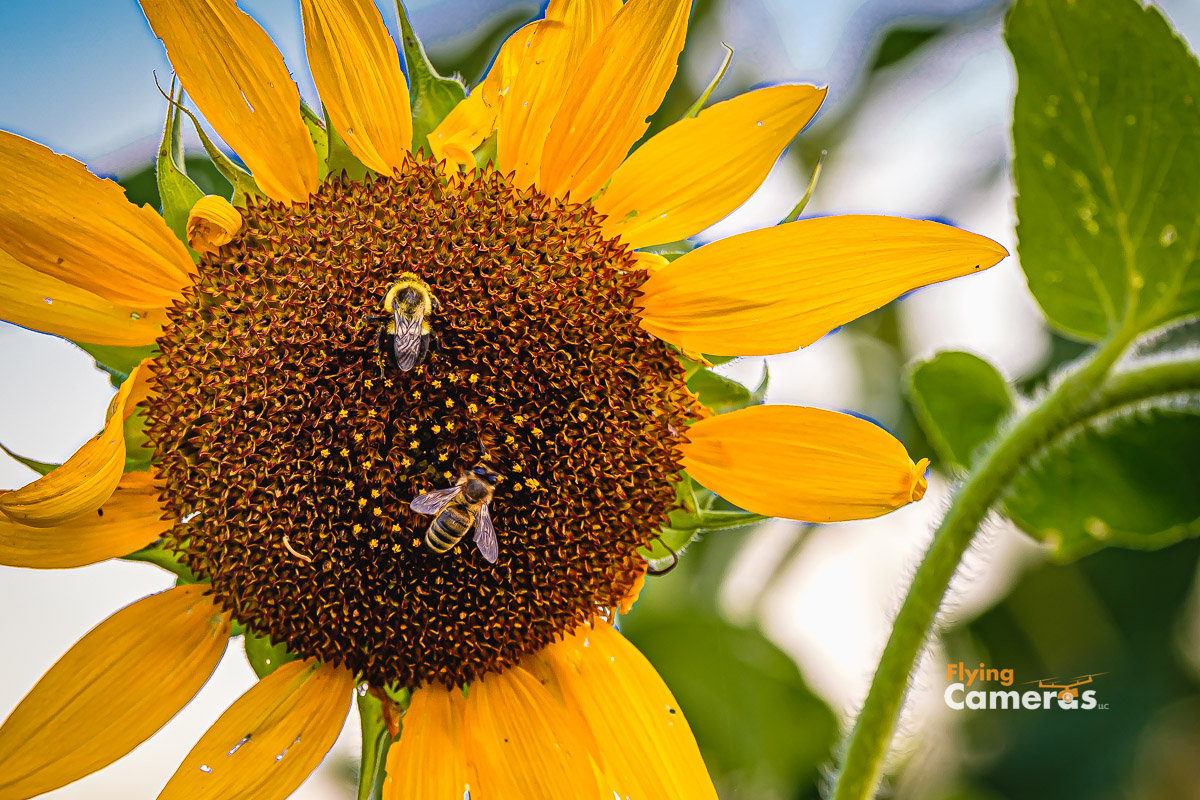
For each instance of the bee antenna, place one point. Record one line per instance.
(482, 449)
(664, 570)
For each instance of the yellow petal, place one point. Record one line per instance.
(429, 760)
(646, 746)
(61, 220)
(651, 262)
(796, 282)
(238, 80)
(537, 89)
(802, 463)
(356, 68)
(44, 303)
(87, 479)
(212, 222)
(618, 85)
(523, 744)
(267, 742)
(110, 692)
(699, 170)
(474, 118)
(128, 521)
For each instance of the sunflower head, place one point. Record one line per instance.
(274, 417)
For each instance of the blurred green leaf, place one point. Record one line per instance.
(40, 467)
(432, 96)
(1130, 482)
(743, 697)
(722, 394)
(176, 191)
(264, 656)
(900, 43)
(960, 400)
(1107, 158)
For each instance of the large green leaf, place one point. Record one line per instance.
(1123, 471)
(960, 400)
(745, 699)
(1106, 135)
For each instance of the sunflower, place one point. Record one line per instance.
(267, 443)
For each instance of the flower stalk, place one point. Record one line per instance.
(867, 747)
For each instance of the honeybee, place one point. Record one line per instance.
(457, 508)
(407, 336)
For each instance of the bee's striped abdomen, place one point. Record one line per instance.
(448, 528)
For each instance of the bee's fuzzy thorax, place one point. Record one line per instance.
(270, 418)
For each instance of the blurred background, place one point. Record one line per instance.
(767, 635)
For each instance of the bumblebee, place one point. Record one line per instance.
(407, 336)
(459, 507)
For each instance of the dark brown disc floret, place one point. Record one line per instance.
(288, 449)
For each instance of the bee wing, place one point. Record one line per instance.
(433, 502)
(485, 535)
(406, 343)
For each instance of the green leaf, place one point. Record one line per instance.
(242, 181)
(118, 362)
(40, 467)
(960, 400)
(1124, 471)
(433, 96)
(697, 510)
(744, 698)
(264, 656)
(1106, 134)
(339, 158)
(158, 555)
(722, 394)
(375, 743)
(319, 136)
(176, 191)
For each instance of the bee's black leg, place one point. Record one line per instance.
(433, 302)
(432, 345)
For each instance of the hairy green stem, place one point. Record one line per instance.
(375, 742)
(867, 748)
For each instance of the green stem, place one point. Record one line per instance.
(375, 743)
(867, 747)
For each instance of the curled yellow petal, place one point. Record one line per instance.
(802, 463)
(429, 760)
(522, 743)
(238, 80)
(651, 262)
(270, 739)
(128, 521)
(211, 223)
(44, 303)
(796, 282)
(58, 219)
(699, 170)
(112, 691)
(475, 117)
(619, 83)
(87, 479)
(644, 744)
(356, 68)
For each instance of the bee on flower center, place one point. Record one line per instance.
(458, 508)
(407, 336)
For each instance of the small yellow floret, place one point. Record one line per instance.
(212, 222)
